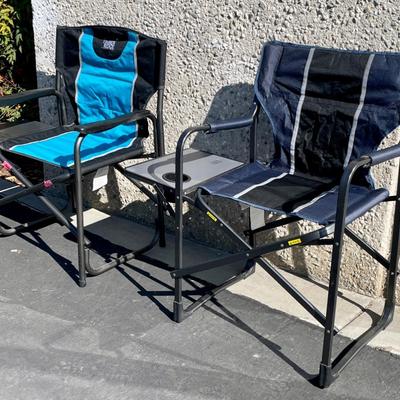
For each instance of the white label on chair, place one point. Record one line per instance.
(256, 218)
(108, 44)
(101, 178)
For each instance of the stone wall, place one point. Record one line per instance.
(213, 52)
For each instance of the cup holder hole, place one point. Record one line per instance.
(170, 177)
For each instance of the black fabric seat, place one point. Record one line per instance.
(297, 195)
(21, 129)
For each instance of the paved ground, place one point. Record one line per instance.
(355, 313)
(114, 339)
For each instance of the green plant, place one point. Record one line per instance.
(10, 46)
(7, 86)
(9, 41)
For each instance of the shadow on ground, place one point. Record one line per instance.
(110, 340)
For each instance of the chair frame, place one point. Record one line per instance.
(329, 368)
(74, 177)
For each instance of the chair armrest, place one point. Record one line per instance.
(383, 155)
(233, 123)
(100, 126)
(27, 95)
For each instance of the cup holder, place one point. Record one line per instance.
(170, 177)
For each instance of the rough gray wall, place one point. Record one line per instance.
(213, 52)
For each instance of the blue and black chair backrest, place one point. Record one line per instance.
(109, 71)
(327, 107)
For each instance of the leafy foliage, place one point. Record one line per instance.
(7, 86)
(8, 52)
(11, 40)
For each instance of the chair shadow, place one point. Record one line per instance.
(276, 349)
(19, 213)
(373, 315)
(222, 312)
(233, 101)
(167, 290)
(63, 262)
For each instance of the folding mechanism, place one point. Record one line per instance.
(108, 74)
(329, 110)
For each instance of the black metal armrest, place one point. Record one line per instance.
(206, 128)
(233, 123)
(100, 126)
(383, 155)
(27, 95)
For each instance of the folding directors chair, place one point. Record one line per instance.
(329, 109)
(108, 74)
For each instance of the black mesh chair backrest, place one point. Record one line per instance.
(108, 71)
(327, 107)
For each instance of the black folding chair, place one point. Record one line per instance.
(109, 74)
(329, 110)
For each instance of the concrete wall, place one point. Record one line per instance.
(214, 48)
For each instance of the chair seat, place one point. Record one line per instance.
(278, 191)
(56, 145)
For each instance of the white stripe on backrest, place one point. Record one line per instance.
(298, 111)
(358, 111)
(77, 77)
(136, 73)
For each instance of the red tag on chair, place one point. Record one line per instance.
(6, 165)
(48, 184)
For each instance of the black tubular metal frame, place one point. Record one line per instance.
(329, 368)
(74, 178)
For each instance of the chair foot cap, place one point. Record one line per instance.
(325, 377)
(82, 283)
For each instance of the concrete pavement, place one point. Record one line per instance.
(114, 339)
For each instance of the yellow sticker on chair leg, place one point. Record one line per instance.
(294, 241)
(212, 216)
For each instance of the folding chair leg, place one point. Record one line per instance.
(178, 305)
(325, 374)
(394, 253)
(330, 369)
(161, 221)
(82, 257)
